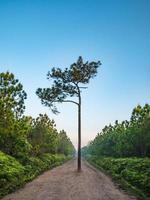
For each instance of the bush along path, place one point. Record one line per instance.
(132, 173)
(65, 183)
(13, 174)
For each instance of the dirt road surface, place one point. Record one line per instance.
(64, 183)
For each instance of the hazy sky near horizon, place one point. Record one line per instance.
(36, 35)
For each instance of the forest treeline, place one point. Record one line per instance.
(28, 145)
(125, 139)
(20, 135)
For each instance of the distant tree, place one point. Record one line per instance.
(13, 128)
(12, 95)
(68, 83)
(140, 124)
(43, 135)
(65, 146)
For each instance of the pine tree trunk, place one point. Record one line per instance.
(79, 135)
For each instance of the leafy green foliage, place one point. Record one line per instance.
(35, 165)
(14, 174)
(11, 174)
(134, 171)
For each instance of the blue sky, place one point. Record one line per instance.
(36, 35)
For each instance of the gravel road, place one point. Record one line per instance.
(64, 183)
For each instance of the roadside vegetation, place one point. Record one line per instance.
(28, 146)
(123, 151)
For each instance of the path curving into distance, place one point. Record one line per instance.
(64, 183)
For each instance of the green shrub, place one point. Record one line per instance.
(14, 174)
(134, 171)
(11, 174)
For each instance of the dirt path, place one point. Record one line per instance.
(64, 183)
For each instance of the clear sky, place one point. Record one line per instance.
(36, 35)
